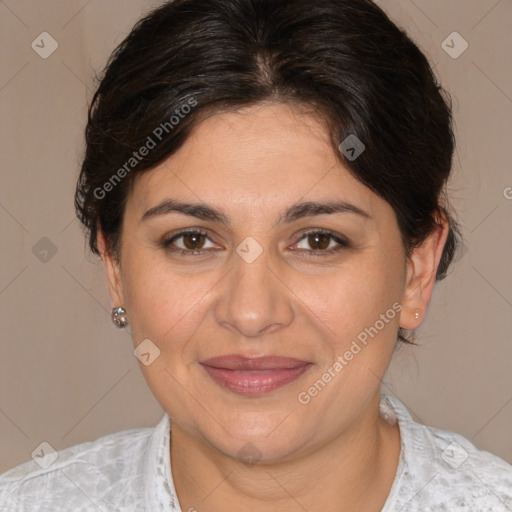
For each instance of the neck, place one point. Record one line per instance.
(353, 471)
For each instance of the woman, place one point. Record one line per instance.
(265, 183)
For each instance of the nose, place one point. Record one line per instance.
(253, 300)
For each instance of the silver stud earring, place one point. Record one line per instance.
(417, 314)
(119, 317)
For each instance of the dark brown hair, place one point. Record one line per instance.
(344, 58)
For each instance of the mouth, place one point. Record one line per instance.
(254, 376)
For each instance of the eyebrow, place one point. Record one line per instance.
(295, 212)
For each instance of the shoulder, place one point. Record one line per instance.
(443, 470)
(79, 475)
(463, 470)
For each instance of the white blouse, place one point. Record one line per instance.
(131, 471)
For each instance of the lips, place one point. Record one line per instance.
(236, 362)
(254, 376)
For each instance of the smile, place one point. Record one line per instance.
(256, 376)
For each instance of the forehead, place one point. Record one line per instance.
(254, 160)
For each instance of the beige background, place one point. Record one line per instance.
(67, 375)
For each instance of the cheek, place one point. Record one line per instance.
(166, 306)
(352, 296)
(169, 309)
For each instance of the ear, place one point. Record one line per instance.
(421, 275)
(113, 272)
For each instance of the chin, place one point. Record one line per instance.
(259, 437)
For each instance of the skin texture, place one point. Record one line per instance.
(334, 453)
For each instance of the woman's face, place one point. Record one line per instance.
(260, 287)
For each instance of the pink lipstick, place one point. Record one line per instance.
(254, 376)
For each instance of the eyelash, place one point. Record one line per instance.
(343, 243)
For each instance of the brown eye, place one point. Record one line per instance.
(193, 239)
(319, 241)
